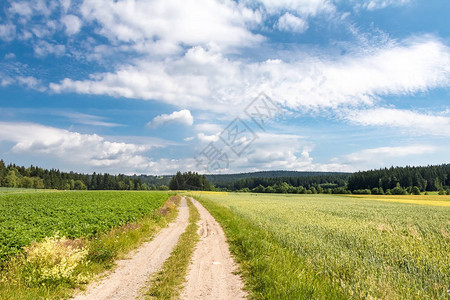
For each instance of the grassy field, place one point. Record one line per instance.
(334, 247)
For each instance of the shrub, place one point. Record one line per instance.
(415, 190)
(398, 190)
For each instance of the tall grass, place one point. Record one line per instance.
(320, 246)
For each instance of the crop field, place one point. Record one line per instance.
(25, 217)
(333, 247)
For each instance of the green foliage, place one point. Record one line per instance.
(334, 247)
(363, 192)
(429, 178)
(33, 216)
(38, 178)
(189, 181)
(398, 190)
(415, 190)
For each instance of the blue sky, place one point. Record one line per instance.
(138, 86)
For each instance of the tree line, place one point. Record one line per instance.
(39, 178)
(394, 180)
(190, 181)
(402, 179)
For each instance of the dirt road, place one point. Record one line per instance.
(131, 274)
(211, 271)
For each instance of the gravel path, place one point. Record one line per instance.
(211, 271)
(132, 274)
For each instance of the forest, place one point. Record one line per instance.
(15, 176)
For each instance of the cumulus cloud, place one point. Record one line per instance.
(72, 24)
(289, 22)
(207, 80)
(162, 26)
(74, 147)
(183, 117)
(422, 124)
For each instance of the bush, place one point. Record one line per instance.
(415, 190)
(340, 190)
(398, 190)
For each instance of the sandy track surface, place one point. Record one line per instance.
(132, 274)
(210, 274)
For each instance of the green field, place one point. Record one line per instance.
(333, 247)
(26, 217)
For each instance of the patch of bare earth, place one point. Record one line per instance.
(131, 275)
(211, 273)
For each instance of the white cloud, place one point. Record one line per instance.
(377, 157)
(208, 127)
(422, 124)
(65, 5)
(86, 119)
(163, 26)
(10, 56)
(289, 22)
(72, 24)
(21, 8)
(182, 117)
(30, 82)
(6, 80)
(301, 7)
(7, 32)
(43, 48)
(205, 79)
(73, 147)
(207, 138)
(379, 4)
(27, 9)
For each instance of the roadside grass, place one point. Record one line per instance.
(60, 266)
(336, 247)
(167, 284)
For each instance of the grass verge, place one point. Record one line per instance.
(270, 270)
(168, 281)
(57, 266)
